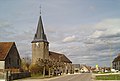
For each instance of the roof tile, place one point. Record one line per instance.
(59, 57)
(4, 49)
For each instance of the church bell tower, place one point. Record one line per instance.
(40, 45)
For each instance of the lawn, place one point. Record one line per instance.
(108, 77)
(39, 76)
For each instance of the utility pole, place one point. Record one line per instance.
(110, 47)
(110, 58)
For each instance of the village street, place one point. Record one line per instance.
(73, 77)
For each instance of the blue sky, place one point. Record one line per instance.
(84, 30)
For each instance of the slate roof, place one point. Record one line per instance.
(59, 57)
(117, 58)
(40, 36)
(4, 49)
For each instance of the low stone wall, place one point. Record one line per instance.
(20, 75)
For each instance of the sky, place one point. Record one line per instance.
(86, 31)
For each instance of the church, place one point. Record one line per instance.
(40, 49)
(40, 45)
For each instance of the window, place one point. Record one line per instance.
(37, 44)
(18, 61)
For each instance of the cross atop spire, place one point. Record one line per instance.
(40, 10)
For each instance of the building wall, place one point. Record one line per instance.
(116, 65)
(67, 68)
(13, 59)
(69, 65)
(46, 51)
(2, 64)
(76, 68)
(40, 50)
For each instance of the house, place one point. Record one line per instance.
(116, 63)
(106, 69)
(85, 69)
(9, 56)
(63, 63)
(100, 69)
(76, 68)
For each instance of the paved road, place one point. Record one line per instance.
(75, 77)
(71, 77)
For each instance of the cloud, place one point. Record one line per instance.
(70, 39)
(79, 44)
(96, 34)
(80, 39)
(105, 40)
(108, 23)
(90, 45)
(109, 28)
(4, 24)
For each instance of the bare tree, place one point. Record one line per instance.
(44, 63)
(25, 63)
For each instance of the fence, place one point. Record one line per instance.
(20, 75)
(8, 76)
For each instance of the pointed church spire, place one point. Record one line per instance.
(40, 35)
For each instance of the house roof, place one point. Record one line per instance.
(40, 36)
(4, 49)
(59, 57)
(87, 67)
(117, 58)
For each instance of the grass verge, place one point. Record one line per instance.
(108, 77)
(38, 76)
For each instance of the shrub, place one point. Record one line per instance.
(35, 68)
